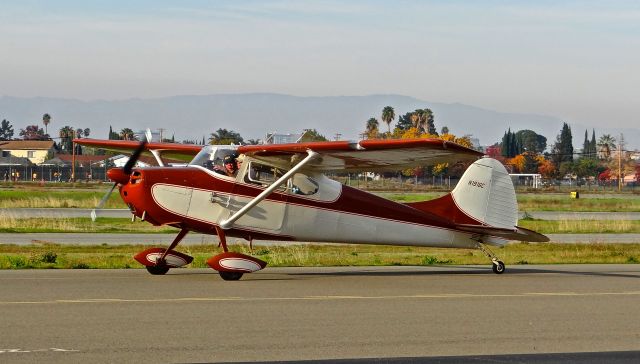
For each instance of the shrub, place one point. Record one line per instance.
(49, 257)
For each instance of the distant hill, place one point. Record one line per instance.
(253, 115)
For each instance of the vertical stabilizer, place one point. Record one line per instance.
(485, 192)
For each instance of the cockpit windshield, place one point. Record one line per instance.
(211, 157)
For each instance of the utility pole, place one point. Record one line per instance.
(620, 163)
(73, 156)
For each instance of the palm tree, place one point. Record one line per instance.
(415, 119)
(126, 134)
(372, 128)
(86, 132)
(388, 115)
(66, 137)
(46, 119)
(426, 121)
(606, 143)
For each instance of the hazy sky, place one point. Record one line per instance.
(578, 60)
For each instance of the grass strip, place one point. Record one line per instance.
(44, 198)
(52, 256)
(50, 198)
(10, 224)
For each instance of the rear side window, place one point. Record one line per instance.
(301, 184)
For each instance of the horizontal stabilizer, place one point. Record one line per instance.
(517, 233)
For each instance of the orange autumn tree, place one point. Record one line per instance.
(545, 167)
(518, 162)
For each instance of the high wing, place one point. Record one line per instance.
(366, 155)
(181, 152)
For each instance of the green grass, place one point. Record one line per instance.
(581, 226)
(119, 225)
(45, 198)
(49, 256)
(544, 202)
(565, 203)
(79, 225)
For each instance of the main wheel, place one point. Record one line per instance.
(498, 267)
(230, 276)
(157, 270)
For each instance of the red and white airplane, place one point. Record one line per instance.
(279, 192)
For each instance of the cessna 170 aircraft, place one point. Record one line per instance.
(279, 192)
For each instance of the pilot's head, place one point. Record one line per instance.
(230, 163)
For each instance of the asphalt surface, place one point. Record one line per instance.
(406, 314)
(21, 213)
(197, 239)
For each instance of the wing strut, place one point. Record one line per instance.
(226, 224)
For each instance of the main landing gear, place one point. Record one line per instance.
(231, 266)
(498, 265)
(158, 261)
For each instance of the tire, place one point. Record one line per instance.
(158, 270)
(498, 267)
(230, 276)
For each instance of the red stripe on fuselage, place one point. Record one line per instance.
(351, 200)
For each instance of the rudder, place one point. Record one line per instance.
(485, 192)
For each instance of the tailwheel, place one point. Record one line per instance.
(498, 267)
(230, 276)
(157, 270)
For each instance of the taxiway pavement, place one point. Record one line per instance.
(191, 315)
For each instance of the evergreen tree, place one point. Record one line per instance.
(6, 130)
(563, 149)
(586, 146)
(594, 145)
(505, 144)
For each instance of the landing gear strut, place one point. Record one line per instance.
(161, 267)
(225, 275)
(498, 265)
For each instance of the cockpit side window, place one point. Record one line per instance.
(262, 174)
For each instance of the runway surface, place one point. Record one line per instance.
(21, 213)
(191, 315)
(195, 239)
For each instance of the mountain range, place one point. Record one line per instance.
(255, 114)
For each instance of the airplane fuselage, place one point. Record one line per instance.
(198, 199)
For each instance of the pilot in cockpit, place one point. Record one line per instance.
(231, 165)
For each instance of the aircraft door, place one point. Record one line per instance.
(268, 215)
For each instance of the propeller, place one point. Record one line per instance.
(127, 169)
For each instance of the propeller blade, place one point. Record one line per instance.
(134, 157)
(102, 202)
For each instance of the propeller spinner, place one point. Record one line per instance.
(121, 175)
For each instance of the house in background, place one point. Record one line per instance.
(34, 150)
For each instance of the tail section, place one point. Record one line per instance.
(486, 194)
(483, 203)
